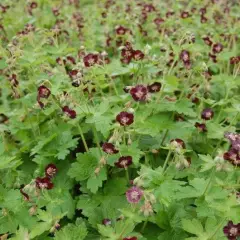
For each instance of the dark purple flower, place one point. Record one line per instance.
(234, 60)
(169, 14)
(127, 53)
(106, 222)
(109, 148)
(207, 114)
(44, 183)
(13, 80)
(232, 231)
(130, 238)
(154, 87)
(33, 5)
(90, 59)
(158, 21)
(71, 59)
(121, 30)
(201, 127)
(177, 142)
(124, 162)
(185, 56)
(138, 55)
(232, 156)
(50, 170)
(3, 118)
(134, 194)
(185, 14)
(139, 93)
(71, 113)
(147, 8)
(207, 41)
(203, 19)
(43, 92)
(125, 118)
(217, 48)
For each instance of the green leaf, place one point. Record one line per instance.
(96, 180)
(193, 226)
(76, 231)
(84, 167)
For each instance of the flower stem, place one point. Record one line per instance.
(218, 227)
(97, 139)
(166, 161)
(209, 181)
(144, 226)
(83, 138)
(127, 175)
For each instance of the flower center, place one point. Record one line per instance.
(124, 120)
(135, 195)
(124, 163)
(233, 231)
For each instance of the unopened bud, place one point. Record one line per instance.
(128, 104)
(103, 161)
(97, 170)
(32, 211)
(154, 151)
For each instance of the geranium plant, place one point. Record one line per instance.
(119, 120)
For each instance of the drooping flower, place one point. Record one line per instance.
(138, 55)
(234, 60)
(50, 170)
(43, 183)
(69, 112)
(201, 127)
(90, 59)
(109, 148)
(125, 118)
(106, 222)
(134, 194)
(147, 209)
(185, 14)
(232, 231)
(177, 142)
(207, 114)
(3, 118)
(43, 92)
(232, 156)
(139, 93)
(185, 56)
(154, 87)
(120, 30)
(158, 21)
(207, 40)
(217, 48)
(130, 238)
(124, 162)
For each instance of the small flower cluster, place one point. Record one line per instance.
(128, 54)
(92, 59)
(45, 182)
(185, 57)
(207, 114)
(233, 154)
(43, 92)
(178, 147)
(235, 60)
(140, 93)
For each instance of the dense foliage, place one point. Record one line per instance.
(119, 120)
